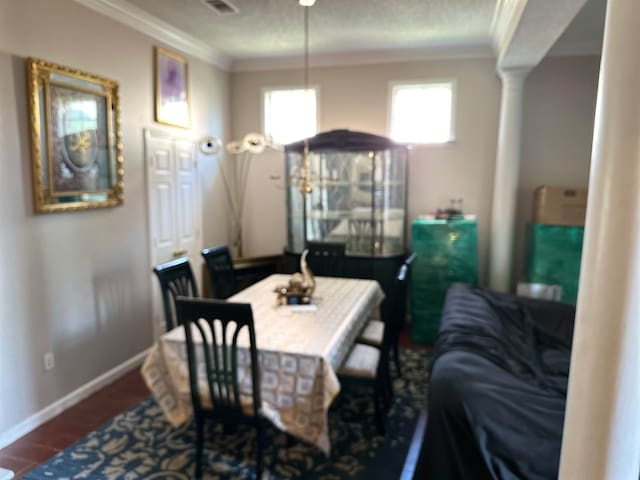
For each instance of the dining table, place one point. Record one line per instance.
(300, 349)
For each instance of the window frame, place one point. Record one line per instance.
(426, 82)
(264, 90)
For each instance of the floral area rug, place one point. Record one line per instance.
(140, 444)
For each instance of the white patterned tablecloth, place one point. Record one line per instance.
(299, 353)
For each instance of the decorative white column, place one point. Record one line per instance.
(505, 184)
(602, 424)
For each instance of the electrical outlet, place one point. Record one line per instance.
(49, 361)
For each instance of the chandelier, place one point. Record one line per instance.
(305, 172)
(236, 165)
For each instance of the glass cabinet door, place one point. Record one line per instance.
(391, 198)
(358, 198)
(295, 205)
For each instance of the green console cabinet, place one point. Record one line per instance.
(553, 257)
(447, 252)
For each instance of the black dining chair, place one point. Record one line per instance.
(212, 328)
(176, 280)
(326, 258)
(369, 365)
(395, 322)
(221, 274)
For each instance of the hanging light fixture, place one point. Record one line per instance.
(305, 174)
(255, 143)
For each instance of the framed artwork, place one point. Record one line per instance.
(76, 139)
(172, 88)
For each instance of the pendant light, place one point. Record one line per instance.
(305, 174)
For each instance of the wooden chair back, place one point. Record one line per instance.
(176, 280)
(221, 273)
(212, 328)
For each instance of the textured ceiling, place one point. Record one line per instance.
(269, 28)
(266, 29)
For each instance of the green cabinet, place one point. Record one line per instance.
(447, 252)
(553, 257)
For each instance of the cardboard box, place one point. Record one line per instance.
(560, 206)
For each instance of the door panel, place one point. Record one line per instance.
(174, 207)
(185, 220)
(162, 157)
(164, 231)
(162, 205)
(188, 198)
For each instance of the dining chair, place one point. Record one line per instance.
(212, 328)
(369, 365)
(176, 280)
(221, 273)
(373, 332)
(326, 258)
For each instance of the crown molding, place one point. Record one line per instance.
(136, 18)
(506, 18)
(364, 57)
(525, 31)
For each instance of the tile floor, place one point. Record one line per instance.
(73, 424)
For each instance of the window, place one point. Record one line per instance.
(290, 114)
(422, 112)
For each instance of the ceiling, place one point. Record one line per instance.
(274, 28)
(584, 34)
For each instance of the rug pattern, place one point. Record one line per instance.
(140, 443)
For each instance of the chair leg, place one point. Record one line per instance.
(274, 452)
(384, 395)
(385, 386)
(378, 395)
(396, 359)
(259, 450)
(389, 385)
(199, 445)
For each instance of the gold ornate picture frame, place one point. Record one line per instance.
(76, 139)
(171, 88)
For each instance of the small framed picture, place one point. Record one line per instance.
(76, 146)
(172, 88)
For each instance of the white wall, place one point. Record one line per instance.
(357, 97)
(78, 284)
(559, 111)
(59, 271)
(558, 127)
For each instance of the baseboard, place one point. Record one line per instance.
(413, 456)
(69, 400)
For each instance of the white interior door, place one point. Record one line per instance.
(175, 218)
